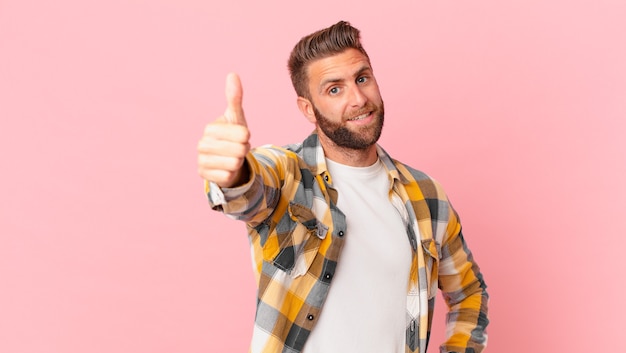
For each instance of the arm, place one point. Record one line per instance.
(244, 184)
(464, 290)
(267, 169)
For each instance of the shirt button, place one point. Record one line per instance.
(340, 233)
(310, 317)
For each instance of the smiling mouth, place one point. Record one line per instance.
(360, 117)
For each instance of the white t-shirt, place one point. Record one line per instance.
(365, 310)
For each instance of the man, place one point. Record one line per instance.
(349, 245)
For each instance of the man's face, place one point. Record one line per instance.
(345, 99)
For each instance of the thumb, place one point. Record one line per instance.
(234, 97)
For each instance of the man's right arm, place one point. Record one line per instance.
(236, 182)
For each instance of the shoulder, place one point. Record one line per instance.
(307, 154)
(277, 152)
(429, 186)
(291, 149)
(429, 200)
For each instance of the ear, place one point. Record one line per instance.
(306, 107)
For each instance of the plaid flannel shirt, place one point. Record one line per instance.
(296, 233)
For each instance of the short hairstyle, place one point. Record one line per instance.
(318, 45)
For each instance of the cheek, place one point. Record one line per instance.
(333, 110)
(374, 94)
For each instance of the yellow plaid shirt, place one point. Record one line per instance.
(297, 233)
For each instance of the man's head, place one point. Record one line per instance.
(318, 45)
(336, 88)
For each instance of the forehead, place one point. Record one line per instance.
(337, 67)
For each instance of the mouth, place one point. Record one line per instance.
(360, 117)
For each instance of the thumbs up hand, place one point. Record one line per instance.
(226, 141)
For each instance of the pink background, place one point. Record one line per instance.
(106, 240)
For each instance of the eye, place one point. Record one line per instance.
(362, 79)
(333, 90)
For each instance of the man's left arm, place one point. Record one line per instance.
(465, 292)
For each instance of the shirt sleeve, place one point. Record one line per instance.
(255, 200)
(464, 291)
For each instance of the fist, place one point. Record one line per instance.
(226, 141)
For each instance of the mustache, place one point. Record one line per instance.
(369, 107)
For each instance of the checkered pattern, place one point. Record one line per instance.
(297, 233)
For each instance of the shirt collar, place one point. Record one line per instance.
(313, 155)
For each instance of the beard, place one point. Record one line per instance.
(342, 136)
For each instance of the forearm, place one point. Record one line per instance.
(254, 200)
(465, 292)
(467, 320)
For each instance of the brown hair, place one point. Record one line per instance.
(318, 45)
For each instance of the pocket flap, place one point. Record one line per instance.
(305, 216)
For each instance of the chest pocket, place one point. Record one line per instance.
(299, 235)
(431, 258)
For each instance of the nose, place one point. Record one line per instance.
(357, 97)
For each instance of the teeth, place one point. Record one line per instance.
(360, 117)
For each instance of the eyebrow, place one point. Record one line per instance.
(358, 73)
